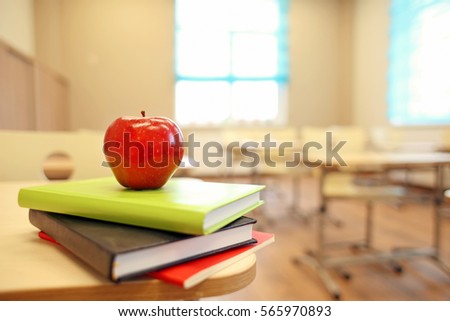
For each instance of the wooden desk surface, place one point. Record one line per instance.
(401, 159)
(386, 159)
(31, 269)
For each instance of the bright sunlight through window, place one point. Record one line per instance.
(419, 75)
(230, 62)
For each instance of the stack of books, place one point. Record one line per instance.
(181, 233)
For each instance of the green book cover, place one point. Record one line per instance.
(183, 205)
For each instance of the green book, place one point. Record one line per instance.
(183, 205)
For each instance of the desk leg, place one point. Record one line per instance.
(296, 196)
(436, 211)
(433, 252)
(438, 215)
(317, 259)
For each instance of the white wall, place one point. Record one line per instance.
(48, 33)
(314, 61)
(17, 24)
(117, 55)
(370, 62)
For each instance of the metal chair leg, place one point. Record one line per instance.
(316, 260)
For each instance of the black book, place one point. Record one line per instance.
(120, 251)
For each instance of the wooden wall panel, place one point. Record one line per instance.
(31, 95)
(51, 100)
(17, 91)
(5, 108)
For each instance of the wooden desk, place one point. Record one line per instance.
(356, 162)
(30, 269)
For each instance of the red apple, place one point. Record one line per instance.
(143, 152)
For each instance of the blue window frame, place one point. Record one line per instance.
(230, 61)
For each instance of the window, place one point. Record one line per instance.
(230, 61)
(419, 63)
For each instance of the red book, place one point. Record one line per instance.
(193, 272)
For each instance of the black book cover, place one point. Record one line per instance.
(121, 251)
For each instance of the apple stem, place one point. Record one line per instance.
(143, 113)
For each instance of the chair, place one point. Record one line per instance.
(37, 155)
(317, 140)
(337, 185)
(271, 166)
(285, 166)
